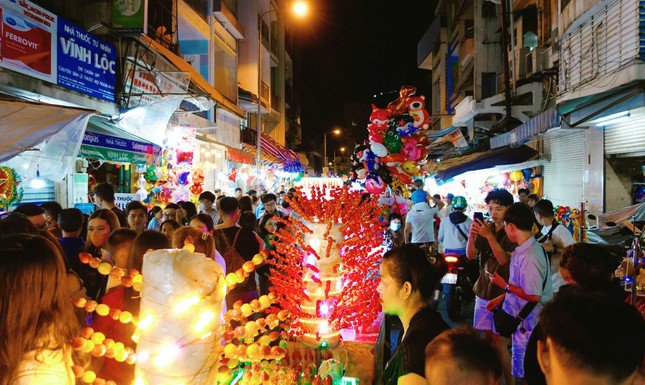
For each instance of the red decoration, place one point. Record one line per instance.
(357, 304)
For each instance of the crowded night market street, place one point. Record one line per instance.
(322, 192)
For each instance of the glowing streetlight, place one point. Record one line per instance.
(336, 131)
(300, 8)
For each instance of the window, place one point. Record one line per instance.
(225, 69)
(489, 84)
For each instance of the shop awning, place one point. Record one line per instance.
(25, 125)
(195, 77)
(273, 152)
(239, 156)
(450, 168)
(104, 140)
(519, 135)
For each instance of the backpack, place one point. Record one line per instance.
(541, 238)
(233, 259)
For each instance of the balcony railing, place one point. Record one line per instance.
(275, 102)
(265, 94)
(602, 45)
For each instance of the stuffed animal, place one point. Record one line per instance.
(416, 108)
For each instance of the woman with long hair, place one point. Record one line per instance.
(187, 210)
(100, 225)
(267, 232)
(125, 299)
(36, 315)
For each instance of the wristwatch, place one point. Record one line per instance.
(507, 288)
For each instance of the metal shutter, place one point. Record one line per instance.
(625, 138)
(564, 172)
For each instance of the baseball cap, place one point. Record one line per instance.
(419, 196)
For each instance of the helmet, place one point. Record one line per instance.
(459, 202)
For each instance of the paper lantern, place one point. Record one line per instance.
(180, 293)
(516, 176)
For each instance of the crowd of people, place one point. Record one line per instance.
(547, 310)
(41, 248)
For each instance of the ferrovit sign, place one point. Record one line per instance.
(37, 43)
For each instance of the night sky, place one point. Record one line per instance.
(349, 50)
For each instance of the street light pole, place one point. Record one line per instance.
(259, 123)
(325, 150)
(300, 8)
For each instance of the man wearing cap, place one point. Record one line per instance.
(453, 231)
(420, 219)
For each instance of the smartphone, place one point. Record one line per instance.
(478, 215)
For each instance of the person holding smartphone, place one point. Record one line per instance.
(488, 242)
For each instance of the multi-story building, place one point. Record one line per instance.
(600, 94)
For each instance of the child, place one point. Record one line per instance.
(156, 216)
(119, 247)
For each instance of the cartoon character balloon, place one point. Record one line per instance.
(416, 108)
(392, 141)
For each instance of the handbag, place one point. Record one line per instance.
(506, 324)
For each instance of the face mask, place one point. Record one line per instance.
(200, 208)
(395, 226)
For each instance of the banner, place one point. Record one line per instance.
(28, 35)
(37, 43)
(130, 15)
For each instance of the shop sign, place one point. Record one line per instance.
(39, 44)
(115, 149)
(150, 85)
(130, 15)
(121, 200)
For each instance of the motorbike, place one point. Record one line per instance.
(457, 285)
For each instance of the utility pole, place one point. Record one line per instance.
(507, 76)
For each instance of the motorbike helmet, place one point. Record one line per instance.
(459, 202)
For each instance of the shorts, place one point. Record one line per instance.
(482, 319)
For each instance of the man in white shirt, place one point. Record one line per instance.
(529, 281)
(420, 219)
(554, 237)
(453, 230)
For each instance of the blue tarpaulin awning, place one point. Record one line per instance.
(519, 135)
(450, 168)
